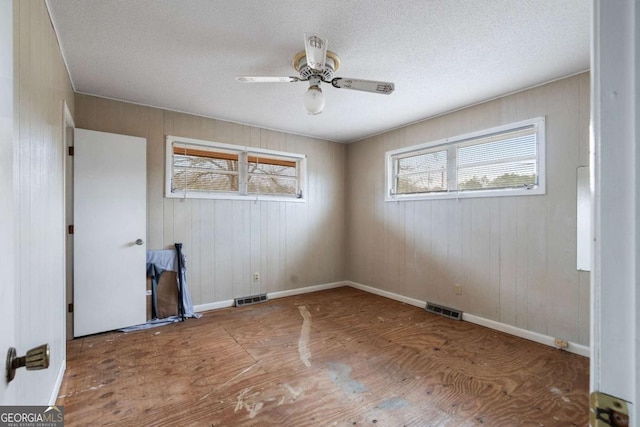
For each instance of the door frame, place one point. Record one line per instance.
(615, 104)
(68, 126)
(8, 134)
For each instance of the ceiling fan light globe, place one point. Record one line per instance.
(313, 100)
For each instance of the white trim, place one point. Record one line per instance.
(272, 295)
(56, 386)
(580, 349)
(615, 132)
(62, 51)
(306, 290)
(538, 124)
(387, 294)
(213, 306)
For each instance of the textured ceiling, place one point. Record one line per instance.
(441, 54)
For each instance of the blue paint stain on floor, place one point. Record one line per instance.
(341, 375)
(393, 403)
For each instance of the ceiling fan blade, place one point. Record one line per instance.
(364, 85)
(316, 49)
(251, 79)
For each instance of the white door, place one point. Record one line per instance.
(109, 231)
(7, 288)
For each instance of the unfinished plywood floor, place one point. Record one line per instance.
(341, 357)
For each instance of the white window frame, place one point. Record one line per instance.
(451, 144)
(243, 153)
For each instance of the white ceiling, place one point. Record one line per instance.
(441, 54)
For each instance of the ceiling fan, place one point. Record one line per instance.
(316, 64)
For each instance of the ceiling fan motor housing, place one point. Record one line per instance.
(306, 72)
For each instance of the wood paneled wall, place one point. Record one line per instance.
(515, 257)
(291, 245)
(41, 85)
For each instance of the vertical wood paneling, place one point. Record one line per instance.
(522, 263)
(155, 173)
(494, 263)
(513, 256)
(223, 250)
(41, 85)
(239, 249)
(205, 293)
(563, 282)
(425, 265)
(255, 234)
(438, 276)
(508, 246)
(411, 254)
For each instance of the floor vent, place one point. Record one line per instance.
(444, 311)
(250, 300)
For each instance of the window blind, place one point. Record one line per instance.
(204, 170)
(422, 173)
(272, 176)
(507, 160)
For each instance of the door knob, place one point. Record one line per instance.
(36, 358)
(139, 242)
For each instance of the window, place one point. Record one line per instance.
(203, 169)
(503, 161)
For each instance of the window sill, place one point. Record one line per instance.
(227, 196)
(465, 195)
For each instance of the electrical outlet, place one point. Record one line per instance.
(560, 343)
(458, 289)
(256, 277)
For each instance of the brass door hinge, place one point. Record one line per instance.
(607, 411)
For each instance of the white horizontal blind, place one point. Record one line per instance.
(506, 160)
(272, 175)
(421, 173)
(202, 169)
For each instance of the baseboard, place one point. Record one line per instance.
(58, 384)
(306, 290)
(580, 349)
(387, 294)
(271, 295)
(213, 306)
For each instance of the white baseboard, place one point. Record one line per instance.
(213, 305)
(387, 294)
(306, 290)
(272, 295)
(580, 349)
(58, 383)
